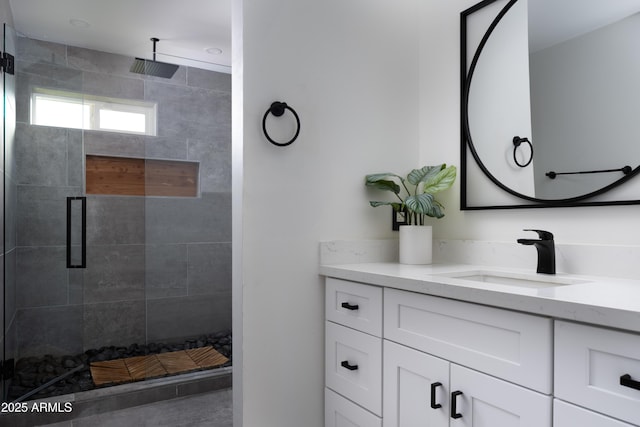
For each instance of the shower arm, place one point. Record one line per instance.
(154, 40)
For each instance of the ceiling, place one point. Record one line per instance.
(188, 28)
(191, 32)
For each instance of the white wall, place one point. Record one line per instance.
(501, 75)
(440, 136)
(350, 71)
(579, 125)
(6, 17)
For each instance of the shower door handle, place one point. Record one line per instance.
(72, 223)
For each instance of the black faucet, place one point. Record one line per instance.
(546, 251)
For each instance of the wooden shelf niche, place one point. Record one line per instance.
(127, 176)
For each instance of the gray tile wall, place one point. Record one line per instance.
(158, 268)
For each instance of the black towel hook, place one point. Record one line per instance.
(277, 109)
(516, 143)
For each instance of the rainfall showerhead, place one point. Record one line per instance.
(153, 67)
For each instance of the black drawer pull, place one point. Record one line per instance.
(435, 405)
(349, 306)
(454, 404)
(345, 364)
(626, 381)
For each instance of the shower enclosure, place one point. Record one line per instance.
(117, 213)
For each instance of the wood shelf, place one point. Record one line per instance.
(127, 176)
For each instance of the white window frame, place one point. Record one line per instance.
(97, 104)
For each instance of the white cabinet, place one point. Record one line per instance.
(353, 354)
(486, 401)
(341, 412)
(599, 369)
(355, 305)
(353, 366)
(425, 391)
(416, 391)
(396, 358)
(510, 345)
(567, 415)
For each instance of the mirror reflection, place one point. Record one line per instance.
(554, 97)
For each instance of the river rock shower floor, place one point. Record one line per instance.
(32, 372)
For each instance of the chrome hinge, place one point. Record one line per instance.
(8, 63)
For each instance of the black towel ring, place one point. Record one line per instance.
(516, 143)
(277, 109)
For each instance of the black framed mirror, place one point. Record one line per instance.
(550, 103)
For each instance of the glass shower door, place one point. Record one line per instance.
(9, 210)
(132, 267)
(6, 308)
(44, 228)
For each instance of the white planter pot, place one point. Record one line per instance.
(416, 244)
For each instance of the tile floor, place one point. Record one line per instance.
(212, 409)
(201, 398)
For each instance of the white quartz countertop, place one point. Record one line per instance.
(602, 301)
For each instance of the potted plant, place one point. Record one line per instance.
(416, 201)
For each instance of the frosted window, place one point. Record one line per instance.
(79, 111)
(123, 121)
(60, 113)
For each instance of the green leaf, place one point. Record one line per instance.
(383, 181)
(440, 181)
(420, 203)
(436, 211)
(427, 180)
(396, 206)
(424, 204)
(417, 176)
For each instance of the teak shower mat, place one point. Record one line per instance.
(156, 365)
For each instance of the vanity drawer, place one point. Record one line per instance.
(353, 366)
(568, 415)
(513, 346)
(341, 412)
(590, 364)
(355, 305)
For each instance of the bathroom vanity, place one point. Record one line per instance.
(459, 345)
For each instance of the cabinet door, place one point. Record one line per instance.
(416, 391)
(489, 402)
(567, 415)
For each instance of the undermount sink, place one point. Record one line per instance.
(515, 279)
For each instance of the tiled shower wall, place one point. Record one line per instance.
(158, 268)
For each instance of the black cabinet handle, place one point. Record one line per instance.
(349, 306)
(626, 381)
(345, 364)
(435, 405)
(454, 404)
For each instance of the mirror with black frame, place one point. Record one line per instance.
(550, 103)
